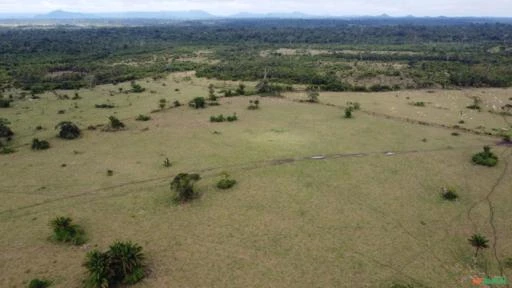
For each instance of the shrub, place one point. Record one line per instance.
(485, 158)
(232, 118)
(254, 105)
(162, 103)
(38, 283)
(167, 163)
(183, 186)
(219, 118)
(136, 88)
(313, 96)
(176, 103)
(5, 131)
(110, 172)
(455, 134)
(241, 89)
(476, 104)
(197, 103)
(449, 194)
(143, 118)
(226, 182)
(40, 144)
(354, 105)
(507, 138)
(4, 103)
(418, 104)
(122, 263)
(211, 93)
(7, 150)
(115, 123)
(104, 106)
(348, 112)
(68, 130)
(66, 232)
(508, 262)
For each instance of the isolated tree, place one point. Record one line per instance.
(479, 242)
(183, 185)
(68, 130)
(485, 158)
(162, 103)
(197, 103)
(313, 96)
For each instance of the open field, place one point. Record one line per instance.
(360, 217)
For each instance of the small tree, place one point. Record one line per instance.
(66, 232)
(254, 105)
(449, 194)
(167, 163)
(68, 130)
(183, 186)
(479, 242)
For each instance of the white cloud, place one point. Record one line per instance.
(225, 7)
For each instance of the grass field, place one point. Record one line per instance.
(367, 215)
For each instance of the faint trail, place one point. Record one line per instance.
(244, 166)
(487, 198)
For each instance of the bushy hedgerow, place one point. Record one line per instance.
(485, 158)
(122, 263)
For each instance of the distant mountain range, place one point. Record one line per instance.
(202, 15)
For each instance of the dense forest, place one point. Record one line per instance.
(418, 54)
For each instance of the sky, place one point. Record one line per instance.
(500, 8)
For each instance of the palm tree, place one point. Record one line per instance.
(479, 242)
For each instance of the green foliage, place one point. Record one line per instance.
(485, 158)
(418, 104)
(136, 88)
(479, 242)
(254, 105)
(348, 112)
(198, 103)
(68, 130)
(354, 105)
(40, 144)
(176, 103)
(313, 96)
(183, 186)
(104, 106)
(142, 117)
(5, 103)
(122, 263)
(241, 89)
(5, 131)
(449, 194)
(162, 103)
(38, 283)
(7, 150)
(221, 118)
(167, 163)
(211, 93)
(226, 182)
(115, 123)
(66, 232)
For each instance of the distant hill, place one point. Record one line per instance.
(293, 15)
(178, 15)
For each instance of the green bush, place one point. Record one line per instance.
(176, 103)
(219, 118)
(449, 194)
(485, 158)
(122, 263)
(4, 103)
(40, 144)
(104, 106)
(68, 130)
(136, 88)
(348, 112)
(7, 150)
(5, 131)
(419, 104)
(115, 123)
(66, 232)
(38, 283)
(254, 105)
(183, 186)
(226, 182)
(142, 118)
(232, 118)
(197, 103)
